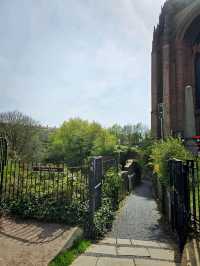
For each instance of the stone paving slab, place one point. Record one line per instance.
(124, 242)
(102, 249)
(108, 240)
(31, 243)
(85, 260)
(133, 251)
(143, 262)
(146, 243)
(108, 252)
(162, 254)
(115, 262)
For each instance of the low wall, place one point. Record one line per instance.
(134, 173)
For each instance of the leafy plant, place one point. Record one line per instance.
(103, 218)
(162, 151)
(47, 209)
(111, 185)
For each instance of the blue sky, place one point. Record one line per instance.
(77, 58)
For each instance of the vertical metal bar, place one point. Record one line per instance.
(6, 180)
(27, 178)
(53, 194)
(10, 181)
(193, 194)
(48, 182)
(13, 189)
(72, 184)
(82, 186)
(31, 185)
(76, 184)
(57, 180)
(63, 175)
(22, 181)
(3, 159)
(68, 184)
(44, 182)
(198, 192)
(18, 180)
(2, 176)
(198, 177)
(35, 183)
(39, 180)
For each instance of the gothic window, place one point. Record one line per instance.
(197, 74)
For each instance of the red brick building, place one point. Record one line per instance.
(175, 64)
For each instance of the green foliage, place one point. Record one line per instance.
(110, 199)
(47, 209)
(111, 186)
(67, 257)
(104, 144)
(77, 139)
(129, 135)
(22, 133)
(145, 151)
(103, 218)
(162, 151)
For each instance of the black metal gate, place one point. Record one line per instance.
(185, 198)
(3, 160)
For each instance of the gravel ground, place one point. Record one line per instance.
(139, 218)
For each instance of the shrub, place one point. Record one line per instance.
(111, 186)
(103, 218)
(71, 213)
(162, 151)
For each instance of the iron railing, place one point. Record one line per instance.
(184, 198)
(54, 181)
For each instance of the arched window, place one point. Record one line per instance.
(197, 77)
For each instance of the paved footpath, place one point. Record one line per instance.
(137, 238)
(31, 243)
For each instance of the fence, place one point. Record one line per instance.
(184, 198)
(57, 182)
(98, 169)
(56, 192)
(53, 181)
(3, 159)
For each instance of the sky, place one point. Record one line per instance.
(77, 58)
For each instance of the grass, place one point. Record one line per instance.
(67, 257)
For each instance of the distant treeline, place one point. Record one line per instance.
(72, 143)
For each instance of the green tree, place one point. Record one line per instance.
(78, 139)
(129, 135)
(104, 144)
(22, 133)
